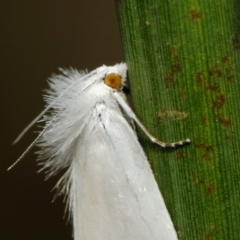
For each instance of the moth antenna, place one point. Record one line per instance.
(48, 107)
(36, 139)
(50, 122)
(31, 124)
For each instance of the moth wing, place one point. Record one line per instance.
(114, 195)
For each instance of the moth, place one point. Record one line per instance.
(110, 188)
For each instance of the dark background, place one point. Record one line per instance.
(37, 37)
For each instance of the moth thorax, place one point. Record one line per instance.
(113, 80)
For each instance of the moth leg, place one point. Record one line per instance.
(132, 115)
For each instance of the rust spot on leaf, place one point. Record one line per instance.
(195, 15)
(229, 137)
(209, 148)
(207, 157)
(210, 189)
(172, 114)
(213, 87)
(181, 94)
(176, 68)
(174, 55)
(168, 79)
(208, 236)
(219, 102)
(204, 121)
(179, 155)
(200, 145)
(236, 42)
(226, 122)
(230, 79)
(199, 78)
(204, 146)
(206, 151)
(215, 73)
(198, 180)
(224, 59)
(228, 69)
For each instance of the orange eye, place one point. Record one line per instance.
(113, 80)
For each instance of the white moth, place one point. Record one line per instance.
(111, 190)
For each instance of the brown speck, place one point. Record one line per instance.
(173, 54)
(206, 151)
(200, 145)
(181, 94)
(176, 68)
(179, 155)
(199, 78)
(207, 157)
(219, 102)
(224, 59)
(172, 114)
(208, 236)
(236, 42)
(215, 73)
(213, 87)
(230, 79)
(176, 58)
(209, 148)
(168, 79)
(224, 121)
(204, 121)
(197, 180)
(195, 15)
(210, 189)
(172, 51)
(228, 69)
(227, 123)
(162, 115)
(229, 137)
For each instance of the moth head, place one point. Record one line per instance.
(116, 76)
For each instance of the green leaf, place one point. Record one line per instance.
(184, 67)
